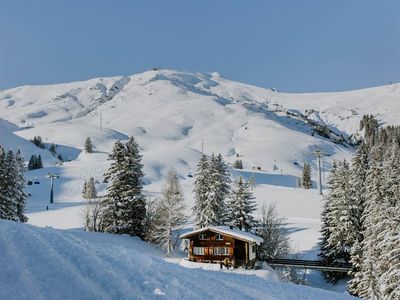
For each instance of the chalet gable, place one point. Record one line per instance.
(224, 231)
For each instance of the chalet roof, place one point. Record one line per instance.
(225, 230)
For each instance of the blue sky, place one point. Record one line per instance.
(295, 46)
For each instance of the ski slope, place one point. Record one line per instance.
(44, 263)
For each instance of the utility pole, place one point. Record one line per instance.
(319, 154)
(52, 176)
(202, 145)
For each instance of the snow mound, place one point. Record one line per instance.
(44, 263)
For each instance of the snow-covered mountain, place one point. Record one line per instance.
(177, 115)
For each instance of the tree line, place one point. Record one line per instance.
(361, 215)
(12, 185)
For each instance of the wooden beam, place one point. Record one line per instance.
(246, 247)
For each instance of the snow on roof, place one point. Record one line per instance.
(233, 232)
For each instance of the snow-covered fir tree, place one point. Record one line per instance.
(242, 205)
(219, 187)
(370, 225)
(53, 149)
(170, 213)
(212, 187)
(124, 205)
(305, 181)
(203, 211)
(368, 285)
(329, 251)
(20, 194)
(12, 183)
(35, 162)
(358, 176)
(88, 145)
(89, 189)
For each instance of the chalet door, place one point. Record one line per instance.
(240, 251)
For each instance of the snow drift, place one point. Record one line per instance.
(44, 263)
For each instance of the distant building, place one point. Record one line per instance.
(223, 244)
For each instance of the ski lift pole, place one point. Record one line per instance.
(52, 176)
(319, 154)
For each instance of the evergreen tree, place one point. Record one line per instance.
(219, 187)
(342, 230)
(124, 205)
(306, 182)
(368, 286)
(212, 186)
(53, 149)
(238, 164)
(327, 222)
(203, 211)
(88, 145)
(32, 162)
(89, 189)
(20, 194)
(7, 203)
(39, 163)
(357, 180)
(37, 140)
(242, 205)
(170, 213)
(12, 195)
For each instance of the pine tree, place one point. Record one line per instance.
(12, 195)
(368, 286)
(32, 162)
(88, 145)
(388, 224)
(242, 205)
(170, 212)
(203, 214)
(219, 187)
(212, 186)
(330, 199)
(89, 189)
(20, 194)
(306, 182)
(53, 149)
(125, 205)
(7, 205)
(342, 230)
(357, 180)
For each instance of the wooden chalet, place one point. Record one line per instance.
(223, 244)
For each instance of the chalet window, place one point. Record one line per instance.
(253, 248)
(198, 250)
(221, 251)
(202, 236)
(219, 237)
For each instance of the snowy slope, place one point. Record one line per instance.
(51, 264)
(174, 115)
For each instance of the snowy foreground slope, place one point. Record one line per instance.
(44, 263)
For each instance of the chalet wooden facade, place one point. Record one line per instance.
(222, 244)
